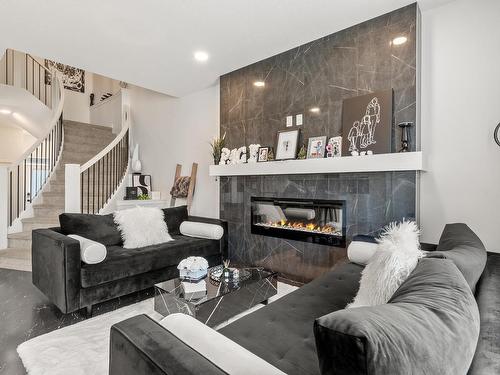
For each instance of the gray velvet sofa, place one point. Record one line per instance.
(71, 285)
(431, 325)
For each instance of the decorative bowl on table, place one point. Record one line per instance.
(193, 269)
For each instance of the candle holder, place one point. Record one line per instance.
(405, 135)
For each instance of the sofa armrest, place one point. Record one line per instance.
(141, 346)
(223, 224)
(56, 268)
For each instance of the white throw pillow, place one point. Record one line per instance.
(360, 252)
(91, 252)
(201, 230)
(142, 226)
(397, 254)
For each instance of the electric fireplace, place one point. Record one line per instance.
(309, 220)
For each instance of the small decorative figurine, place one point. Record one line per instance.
(243, 155)
(270, 155)
(405, 136)
(224, 156)
(302, 153)
(225, 272)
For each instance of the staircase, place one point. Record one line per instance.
(81, 143)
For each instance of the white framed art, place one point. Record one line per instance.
(286, 147)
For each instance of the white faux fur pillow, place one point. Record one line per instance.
(397, 255)
(142, 226)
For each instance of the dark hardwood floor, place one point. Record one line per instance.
(26, 313)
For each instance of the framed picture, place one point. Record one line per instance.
(142, 182)
(286, 147)
(316, 147)
(334, 147)
(131, 193)
(367, 123)
(73, 78)
(263, 154)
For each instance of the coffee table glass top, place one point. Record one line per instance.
(215, 288)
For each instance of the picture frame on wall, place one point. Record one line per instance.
(286, 147)
(131, 193)
(143, 183)
(367, 123)
(316, 147)
(263, 154)
(334, 147)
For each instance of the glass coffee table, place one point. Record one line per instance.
(222, 300)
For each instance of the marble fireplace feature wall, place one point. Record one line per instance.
(320, 74)
(372, 201)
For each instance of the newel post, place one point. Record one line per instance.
(4, 205)
(72, 194)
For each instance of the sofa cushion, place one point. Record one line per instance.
(430, 326)
(460, 244)
(174, 216)
(100, 228)
(282, 332)
(487, 357)
(121, 263)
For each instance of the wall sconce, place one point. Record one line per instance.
(405, 135)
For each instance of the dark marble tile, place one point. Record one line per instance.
(321, 74)
(372, 201)
(26, 313)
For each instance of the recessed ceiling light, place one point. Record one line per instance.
(399, 40)
(5, 111)
(314, 110)
(259, 83)
(201, 56)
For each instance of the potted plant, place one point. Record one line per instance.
(217, 144)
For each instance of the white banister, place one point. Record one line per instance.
(90, 187)
(29, 174)
(72, 187)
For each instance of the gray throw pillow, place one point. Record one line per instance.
(460, 244)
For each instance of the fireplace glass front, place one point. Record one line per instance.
(309, 220)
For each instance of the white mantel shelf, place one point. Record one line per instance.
(406, 161)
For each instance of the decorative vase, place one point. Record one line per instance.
(136, 163)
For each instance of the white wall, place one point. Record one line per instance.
(103, 85)
(108, 112)
(14, 142)
(177, 130)
(77, 104)
(460, 109)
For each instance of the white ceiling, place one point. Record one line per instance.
(151, 42)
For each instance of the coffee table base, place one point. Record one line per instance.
(219, 309)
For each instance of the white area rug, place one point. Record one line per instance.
(83, 348)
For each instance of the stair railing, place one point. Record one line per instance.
(29, 174)
(23, 70)
(38, 80)
(89, 187)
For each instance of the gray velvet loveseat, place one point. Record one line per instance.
(431, 325)
(72, 285)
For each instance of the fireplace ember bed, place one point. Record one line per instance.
(309, 220)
